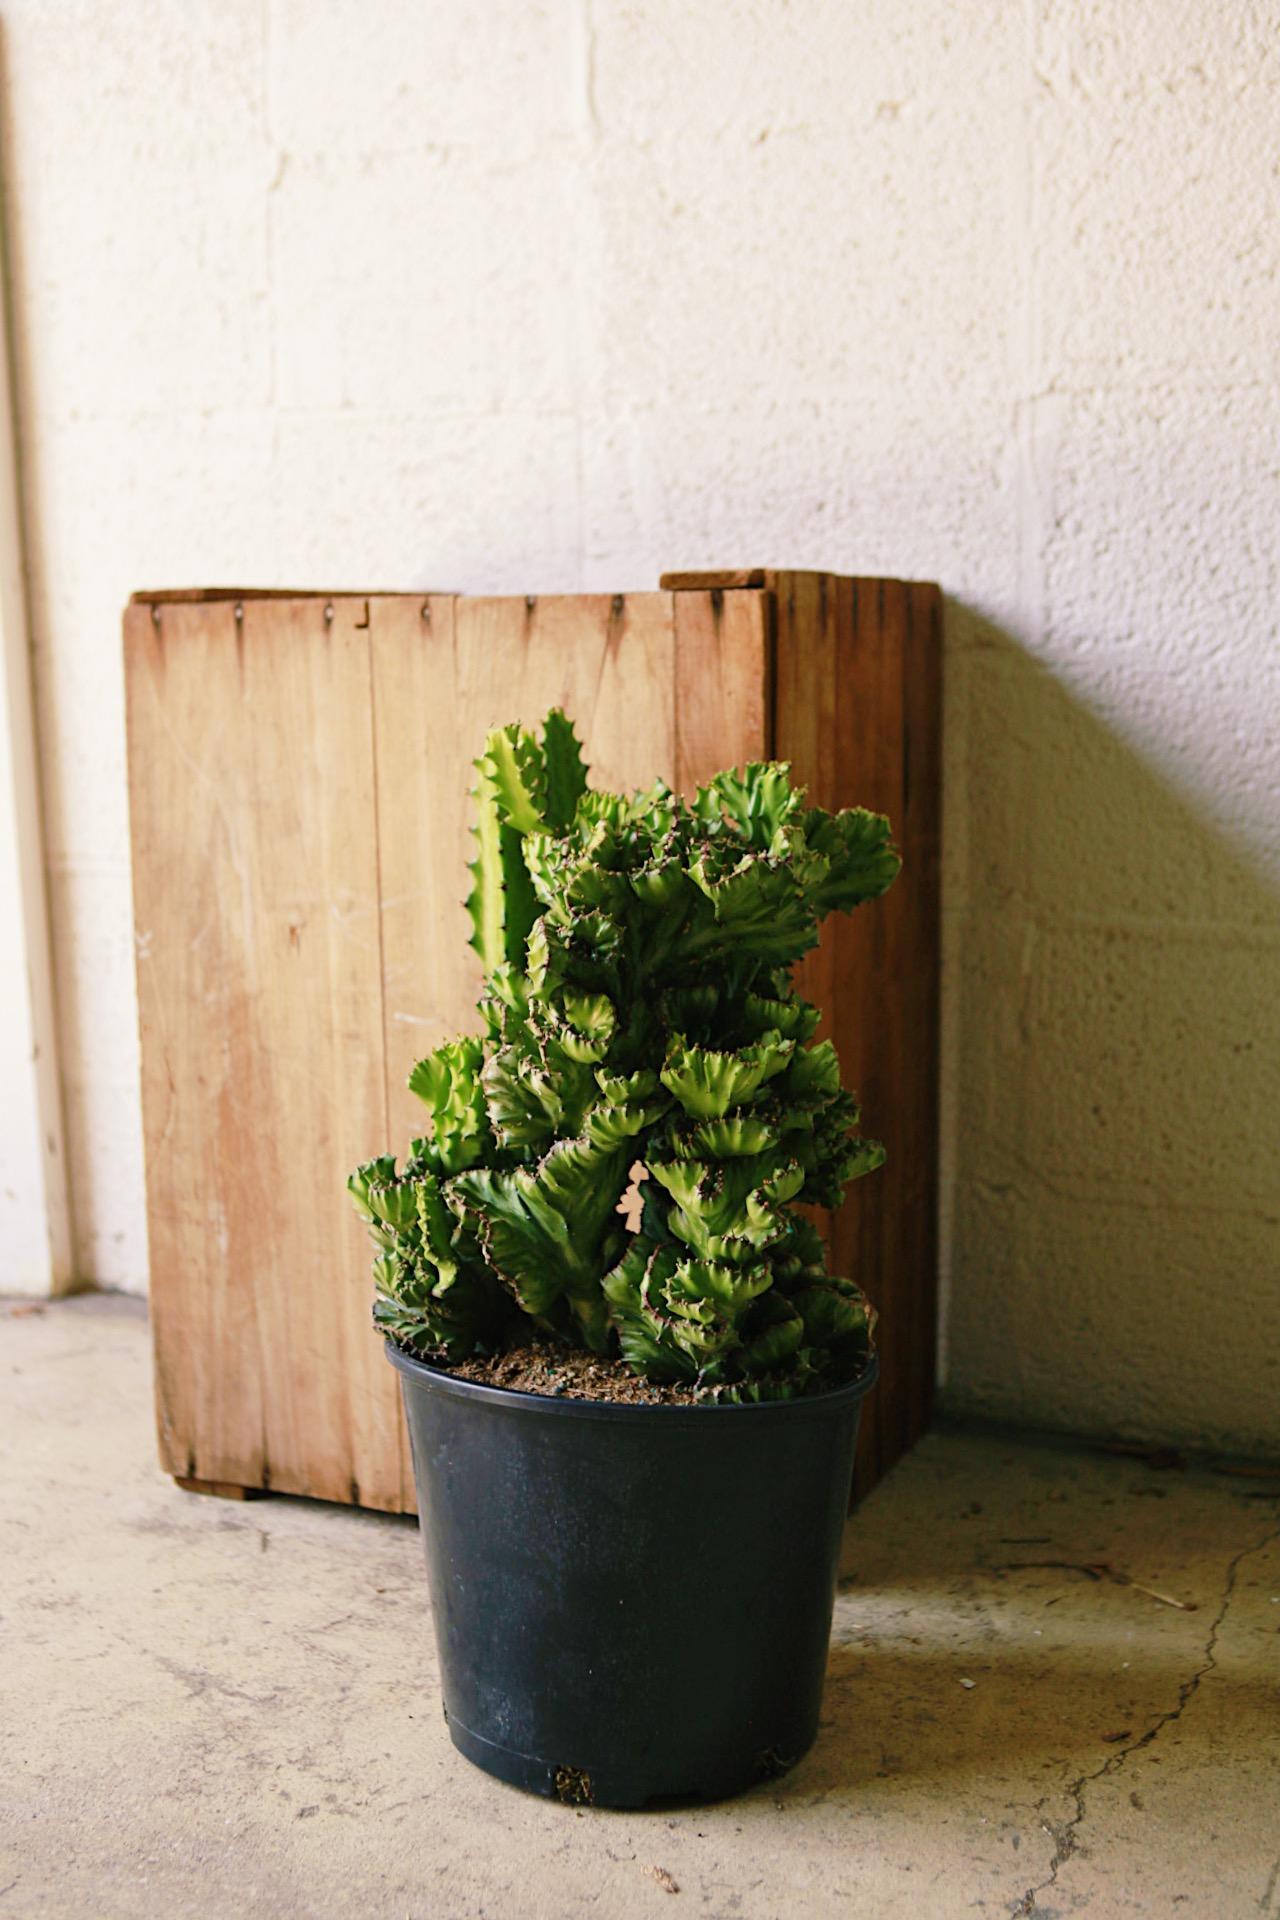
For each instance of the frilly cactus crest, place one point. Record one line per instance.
(640, 1026)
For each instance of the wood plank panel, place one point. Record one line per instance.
(607, 659)
(858, 677)
(922, 802)
(722, 696)
(426, 992)
(254, 843)
(440, 684)
(657, 686)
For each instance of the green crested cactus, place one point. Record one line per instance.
(640, 1021)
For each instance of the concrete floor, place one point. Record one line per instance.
(215, 1710)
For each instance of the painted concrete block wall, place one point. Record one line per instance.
(514, 295)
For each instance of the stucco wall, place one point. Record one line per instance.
(530, 296)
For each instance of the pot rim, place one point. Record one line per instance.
(812, 1406)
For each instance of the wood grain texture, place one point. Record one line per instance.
(300, 770)
(857, 712)
(439, 685)
(256, 908)
(654, 688)
(723, 667)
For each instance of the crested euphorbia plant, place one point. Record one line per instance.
(640, 1024)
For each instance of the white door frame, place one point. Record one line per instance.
(35, 1215)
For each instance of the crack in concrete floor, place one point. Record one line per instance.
(1066, 1838)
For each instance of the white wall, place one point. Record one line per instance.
(529, 296)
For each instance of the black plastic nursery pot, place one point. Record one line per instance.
(632, 1602)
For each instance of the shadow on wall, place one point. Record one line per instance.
(1111, 1220)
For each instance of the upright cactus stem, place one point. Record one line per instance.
(638, 1008)
(523, 788)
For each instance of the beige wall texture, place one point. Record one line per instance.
(521, 296)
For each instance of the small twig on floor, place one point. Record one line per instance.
(1154, 1593)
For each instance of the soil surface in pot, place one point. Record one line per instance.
(568, 1373)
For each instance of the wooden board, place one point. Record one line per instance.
(299, 775)
(256, 903)
(857, 711)
(699, 582)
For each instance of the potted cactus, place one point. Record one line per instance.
(632, 1386)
